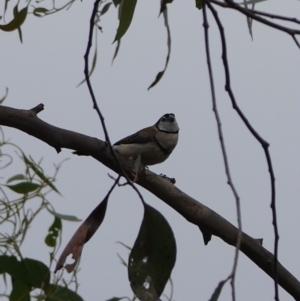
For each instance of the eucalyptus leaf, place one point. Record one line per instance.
(199, 4)
(70, 218)
(161, 73)
(18, 20)
(127, 11)
(40, 11)
(24, 187)
(105, 8)
(38, 172)
(152, 257)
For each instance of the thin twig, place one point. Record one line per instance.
(263, 143)
(223, 148)
(278, 17)
(95, 104)
(250, 13)
(258, 12)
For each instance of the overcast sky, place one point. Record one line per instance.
(265, 73)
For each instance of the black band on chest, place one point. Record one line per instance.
(161, 147)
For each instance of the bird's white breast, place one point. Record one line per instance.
(151, 153)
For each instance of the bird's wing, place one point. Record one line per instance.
(144, 136)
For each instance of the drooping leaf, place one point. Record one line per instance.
(40, 11)
(126, 15)
(24, 187)
(18, 20)
(216, 294)
(83, 234)
(116, 50)
(59, 293)
(249, 19)
(20, 34)
(38, 172)
(3, 98)
(20, 292)
(105, 8)
(199, 4)
(161, 73)
(152, 257)
(5, 6)
(124, 245)
(70, 218)
(53, 233)
(16, 178)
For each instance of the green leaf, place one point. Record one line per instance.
(40, 11)
(16, 178)
(59, 293)
(127, 11)
(13, 267)
(152, 257)
(30, 272)
(161, 73)
(17, 21)
(199, 4)
(3, 98)
(35, 168)
(216, 294)
(38, 274)
(24, 187)
(116, 50)
(70, 218)
(53, 232)
(20, 34)
(20, 292)
(105, 8)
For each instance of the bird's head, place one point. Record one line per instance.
(167, 123)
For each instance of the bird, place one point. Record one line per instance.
(152, 144)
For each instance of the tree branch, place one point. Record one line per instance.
(192, 210)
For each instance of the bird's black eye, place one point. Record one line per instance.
(163, 119)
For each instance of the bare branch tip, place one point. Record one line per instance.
(37, 109)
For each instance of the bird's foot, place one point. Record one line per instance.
(172, 180)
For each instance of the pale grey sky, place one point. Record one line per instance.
(265, 74)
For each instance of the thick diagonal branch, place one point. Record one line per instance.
(192, 210)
